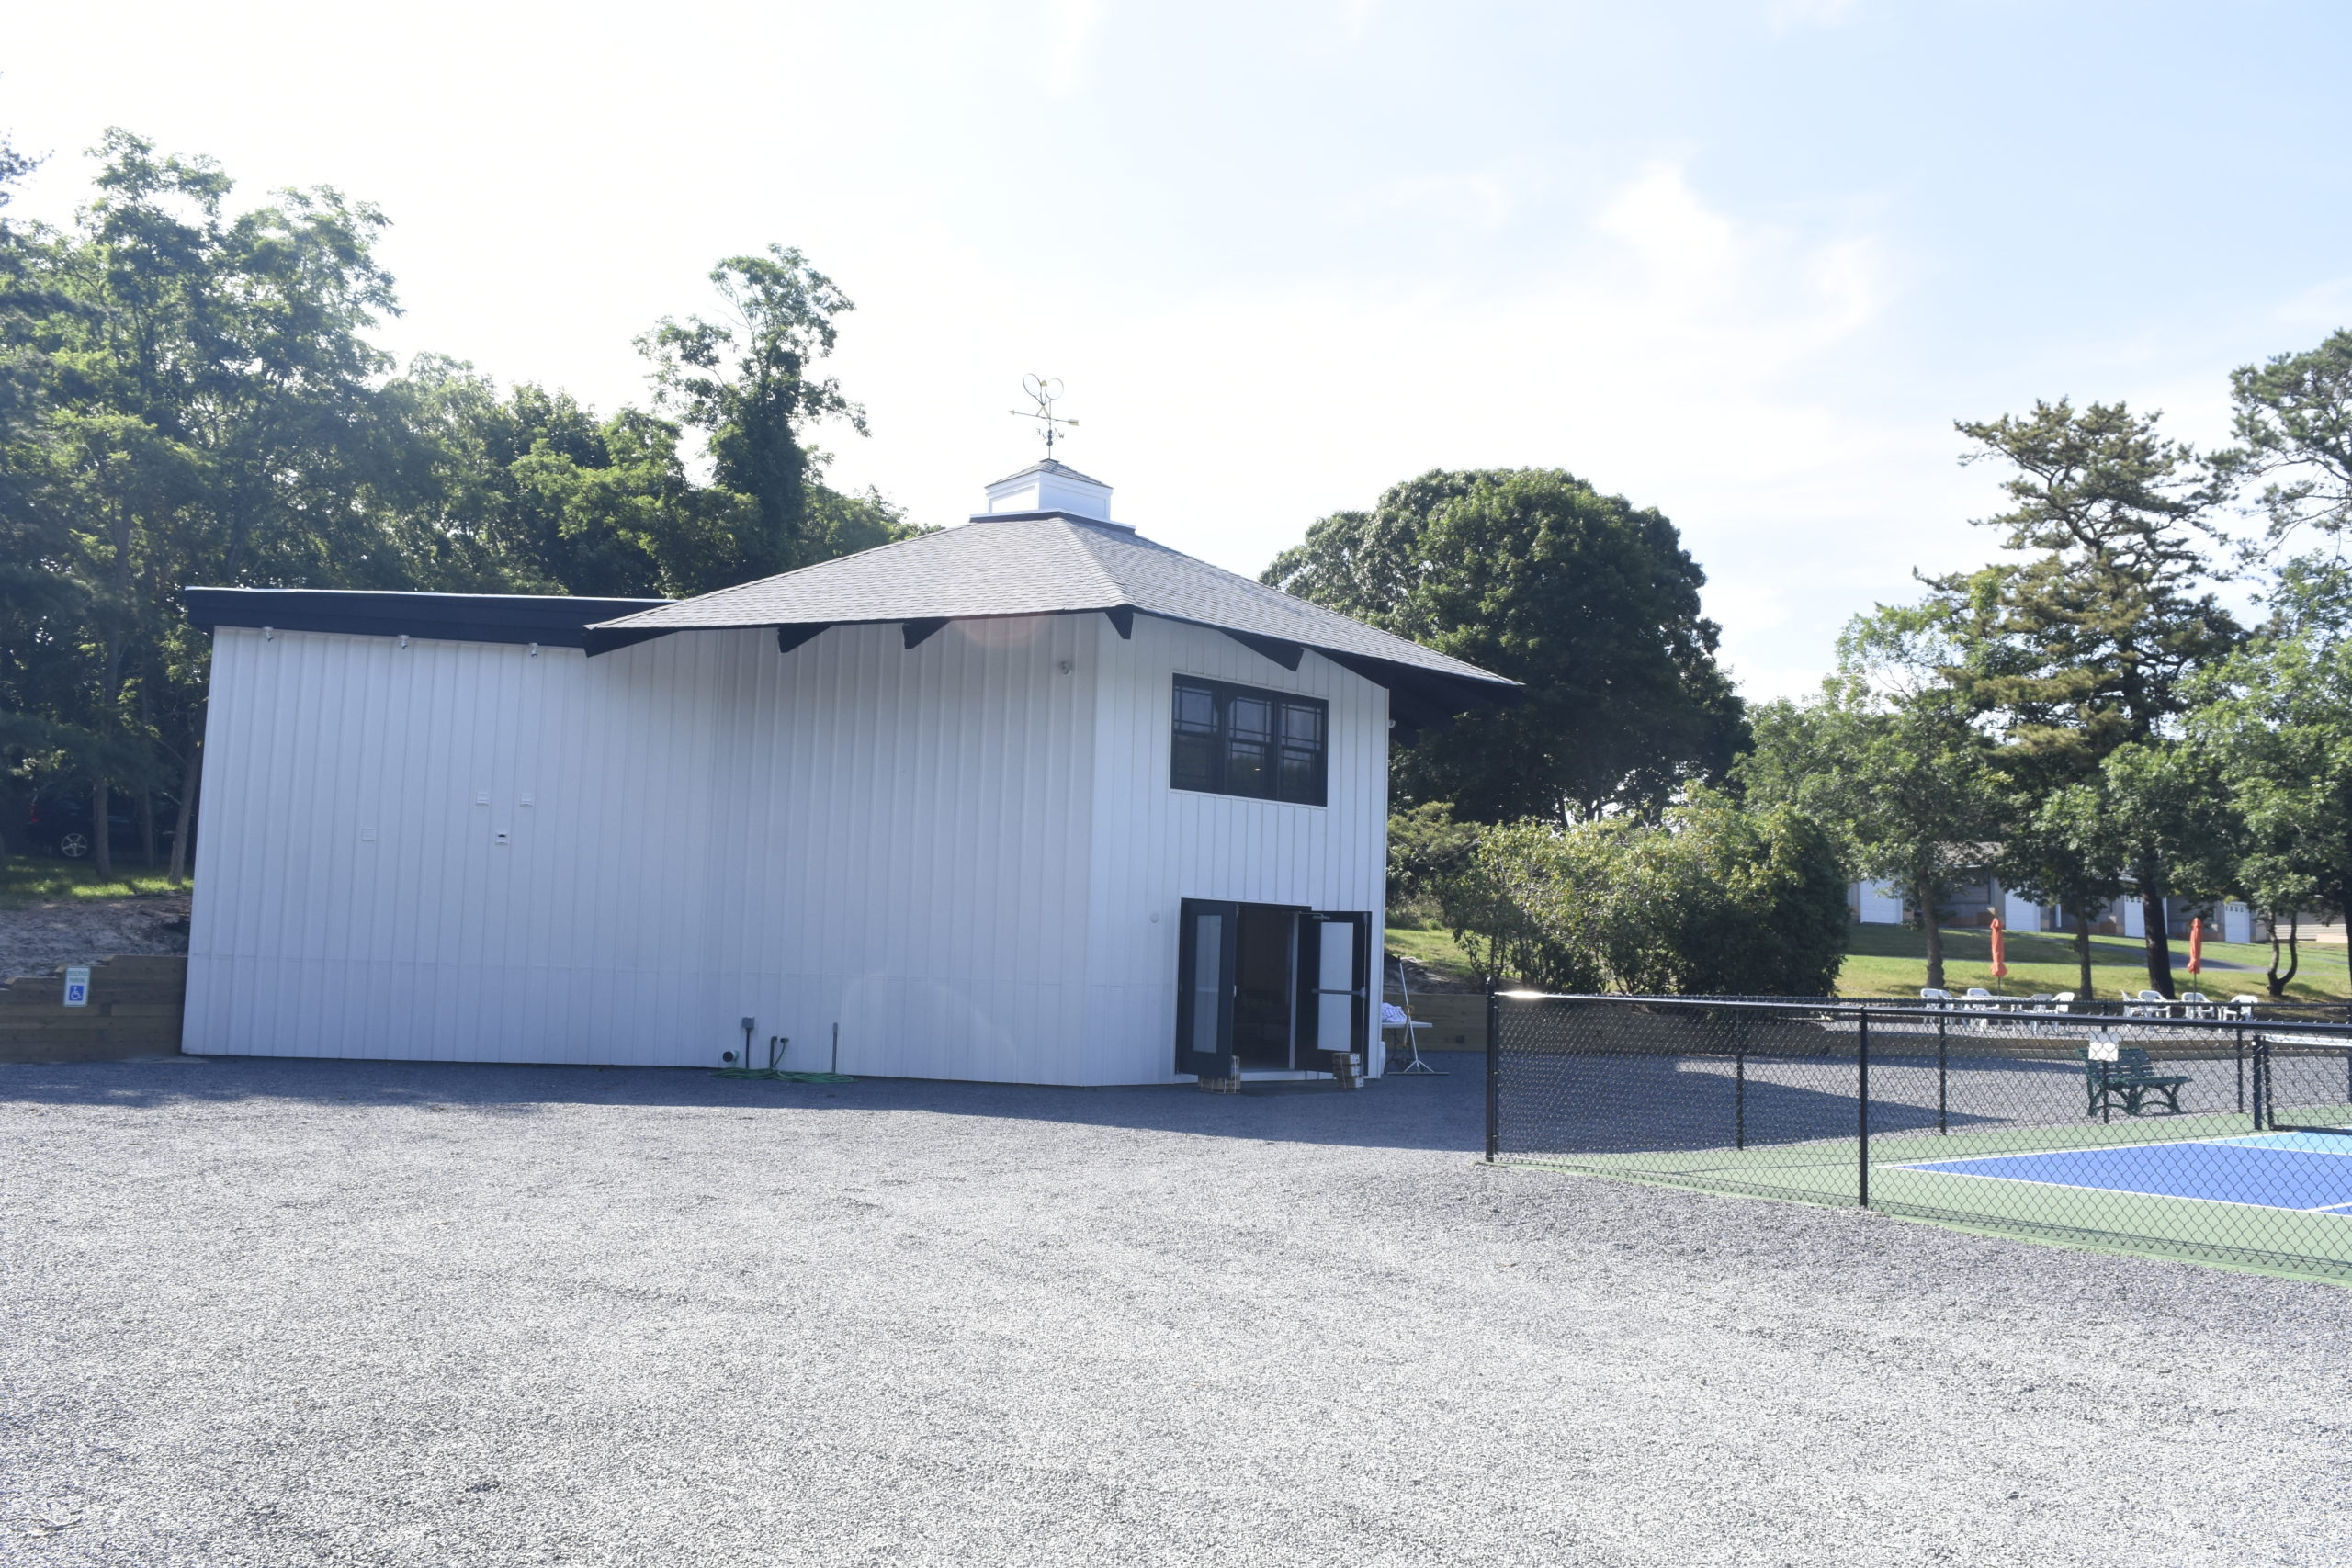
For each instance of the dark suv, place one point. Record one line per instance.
(58, 823)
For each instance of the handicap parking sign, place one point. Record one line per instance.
(77, 986)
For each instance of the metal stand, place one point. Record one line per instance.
(1412, 1035)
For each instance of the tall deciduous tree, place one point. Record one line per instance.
(1889, 760)
(749, 383)
(1588, 600)
(208, 413)
(2089, 645)
(2062, 846)
(2274, 733)
(2292, 418)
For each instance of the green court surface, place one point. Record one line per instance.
(2031, 1181)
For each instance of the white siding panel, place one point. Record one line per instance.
(1155, 845)
(953, 852)
(854, 832)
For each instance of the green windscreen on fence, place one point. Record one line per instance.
(2212, 1138)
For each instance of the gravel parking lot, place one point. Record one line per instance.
(294, 1313)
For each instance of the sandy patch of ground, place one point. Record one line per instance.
(37, 938)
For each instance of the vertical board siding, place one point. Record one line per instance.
(953, 852)
(853, 832)
(1156, 845)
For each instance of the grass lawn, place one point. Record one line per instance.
(1891, 961)
(1432, 948)
(29, 879)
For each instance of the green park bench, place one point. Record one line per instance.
(2128, 1081)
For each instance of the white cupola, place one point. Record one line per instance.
(1050, 486)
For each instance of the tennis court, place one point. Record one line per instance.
(2265, 1170)
(2203, 1139)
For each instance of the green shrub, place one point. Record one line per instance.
(1716, 900)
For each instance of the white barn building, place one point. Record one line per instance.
(1032, 799)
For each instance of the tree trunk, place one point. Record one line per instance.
(101, 838)
(2152, 919)
(2294, 959)
(189, 779)
(1934, 932)
(2082, 956)
(147, 828)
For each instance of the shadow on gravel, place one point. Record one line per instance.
(1445, 1114)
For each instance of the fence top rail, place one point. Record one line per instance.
(1969, 1010)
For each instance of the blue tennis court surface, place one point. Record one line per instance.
(2307, 1171)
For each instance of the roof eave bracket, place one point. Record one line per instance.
(789, 637)
(1286, 654)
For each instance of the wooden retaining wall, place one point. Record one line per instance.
(1459, 1021)
(134, 1011)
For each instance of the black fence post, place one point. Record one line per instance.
(2240, 1031)
(1943, 1078)
(1862, 1109)
(2261, 1081)
(1494, 1075)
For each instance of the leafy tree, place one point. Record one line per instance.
(533, 493)
(1887, 759)
(1729, 902)
(1590, 601)
(2292, 417)
(2089, 645)
(746, 383)
(1426, 845)
(188, 395)
(1712, 900)
(2168, 814)
(2274, 733)
(2063, 849)
(207, 413)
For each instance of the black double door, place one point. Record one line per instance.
(1269, 988)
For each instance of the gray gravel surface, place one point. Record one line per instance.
(292, 1313)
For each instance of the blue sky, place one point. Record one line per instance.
(1743, 261)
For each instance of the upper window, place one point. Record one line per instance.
(1239, 740)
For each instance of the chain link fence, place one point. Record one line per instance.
(2220, 1138)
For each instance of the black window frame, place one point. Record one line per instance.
(1225, 768)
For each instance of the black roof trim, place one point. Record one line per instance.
(553, 620)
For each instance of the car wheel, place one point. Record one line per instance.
(73, 846)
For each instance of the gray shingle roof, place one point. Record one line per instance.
(1049, 465)
(1060, 564)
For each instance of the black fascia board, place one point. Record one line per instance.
(1417, 697)
(552, 620)
(1425, 699)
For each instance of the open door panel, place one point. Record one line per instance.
(1207, 945)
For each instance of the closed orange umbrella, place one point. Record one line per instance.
(2197, 946)
(2000, 951)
